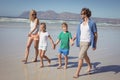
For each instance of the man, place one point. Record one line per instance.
(86, 35)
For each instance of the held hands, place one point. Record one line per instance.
(71, 42)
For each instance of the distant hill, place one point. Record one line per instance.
(52, 15)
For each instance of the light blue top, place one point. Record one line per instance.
(93, 29)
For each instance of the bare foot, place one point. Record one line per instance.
(35, 60)
(41, 66)
(75, 76)
(49, 62)
(59, 67)
(89, 70)
(65, 67)
(25, 61)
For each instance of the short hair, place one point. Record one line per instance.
(86, 11)
(64, 23)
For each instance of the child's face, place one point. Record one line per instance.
(42, 28)
(64, 28)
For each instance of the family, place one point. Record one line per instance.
(86, 35)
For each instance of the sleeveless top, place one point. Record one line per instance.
(32, 25)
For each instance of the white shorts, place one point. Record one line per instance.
(43, 48)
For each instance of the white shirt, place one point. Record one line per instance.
(43, 36)
(32, 25)
(85, 33)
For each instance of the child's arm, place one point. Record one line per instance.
(57, 42)
(52, 42)
(71, 42)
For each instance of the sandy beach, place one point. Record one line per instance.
(13, 36)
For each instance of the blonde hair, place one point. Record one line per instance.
(31, 17)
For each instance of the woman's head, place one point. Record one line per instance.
(64, 26)
(85, 12)
(32, 15)
(43, 27)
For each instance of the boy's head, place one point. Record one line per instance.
(64, 27)
(43, 26)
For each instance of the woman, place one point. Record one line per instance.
(32, 35)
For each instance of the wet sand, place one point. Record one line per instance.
(105, 60)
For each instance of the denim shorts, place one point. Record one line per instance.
(65, 52)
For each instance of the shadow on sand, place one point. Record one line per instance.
(109, 68)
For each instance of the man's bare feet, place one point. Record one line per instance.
(89, 70)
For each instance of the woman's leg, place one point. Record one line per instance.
(29, 42)
(36, 42)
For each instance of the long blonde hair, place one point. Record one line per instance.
(32, 15)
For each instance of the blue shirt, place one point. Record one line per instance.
(93, 29)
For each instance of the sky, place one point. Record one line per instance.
(99, 8)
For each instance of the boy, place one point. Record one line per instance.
(65, 37)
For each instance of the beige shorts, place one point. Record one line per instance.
(34, 36)
(83, 49)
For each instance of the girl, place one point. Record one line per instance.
(43, 36)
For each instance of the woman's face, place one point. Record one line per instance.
(33, 14)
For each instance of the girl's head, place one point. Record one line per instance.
(85, 12)
(64, 27)
(43, 27)
(32, 15)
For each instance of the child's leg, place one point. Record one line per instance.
(43, 52)
(66, 61)
(59, 60)
(41, 58)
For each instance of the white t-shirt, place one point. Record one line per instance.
(85, 33)
(43, 36)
